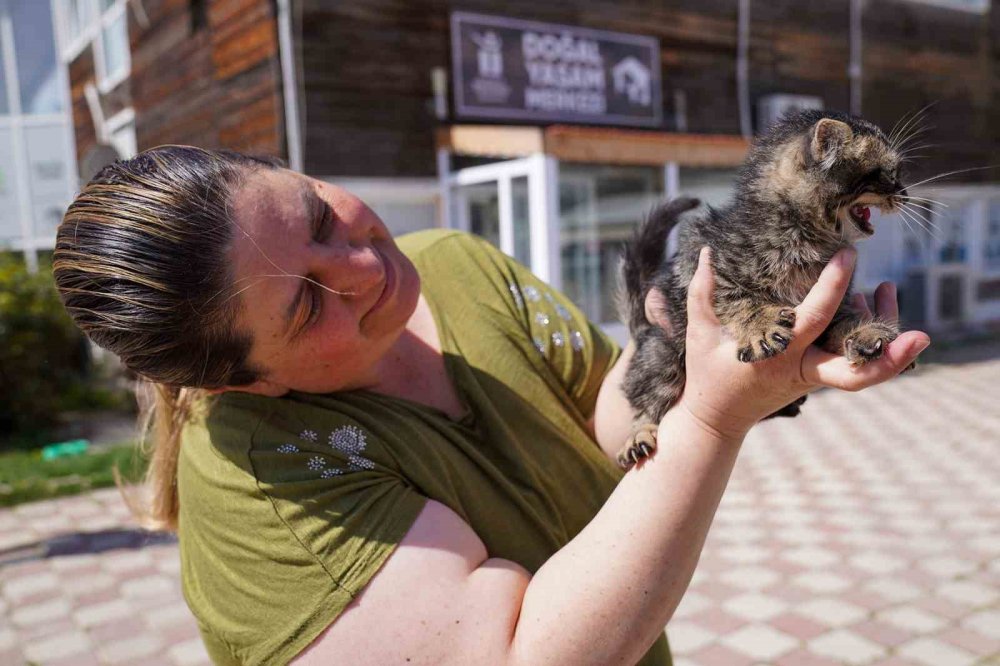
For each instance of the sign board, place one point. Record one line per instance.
(509, 69)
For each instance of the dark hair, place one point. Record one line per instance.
(140, 264)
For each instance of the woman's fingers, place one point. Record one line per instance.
(818, 307)
(860, 304)
(826, 369)
(656, 310)
(886, 305)
(700, 302)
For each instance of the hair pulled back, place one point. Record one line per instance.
(141, 267)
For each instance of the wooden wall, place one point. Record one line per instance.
(366, 69)
(215, 85)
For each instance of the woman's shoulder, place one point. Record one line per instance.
(294, 501)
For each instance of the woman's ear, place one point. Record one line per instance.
(259, 387)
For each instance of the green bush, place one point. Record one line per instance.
(43, 357)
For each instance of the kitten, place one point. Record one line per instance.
(803, 193)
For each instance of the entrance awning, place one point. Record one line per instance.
(595, 145)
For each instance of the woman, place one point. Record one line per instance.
(408, 455)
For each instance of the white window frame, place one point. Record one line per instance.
(106, 83)
(92, 33)
(116, 123)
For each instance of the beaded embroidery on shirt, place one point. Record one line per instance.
(348, 440)
(532, 300)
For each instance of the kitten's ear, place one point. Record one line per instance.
(829, 136)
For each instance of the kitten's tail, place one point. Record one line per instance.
(644, 255)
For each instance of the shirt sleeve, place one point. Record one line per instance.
(577, 350)
(285, 527)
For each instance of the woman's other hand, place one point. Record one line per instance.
(729, 396)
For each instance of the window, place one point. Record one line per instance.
(714, 187)
(953, 234)
(111, 46)
(103, 23)
(599, 207)
(4, 103)
(37, 66)
(992, 249)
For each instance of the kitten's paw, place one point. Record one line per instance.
(768, 334)
(868, 342)
(640, 446)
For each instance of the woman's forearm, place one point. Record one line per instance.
(606, 596)
(612, 414)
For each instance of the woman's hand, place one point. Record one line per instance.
(729, 396)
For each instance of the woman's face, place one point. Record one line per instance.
(327, 332)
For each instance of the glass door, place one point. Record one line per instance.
(494, 201)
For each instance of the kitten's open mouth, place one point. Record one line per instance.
(860, 215)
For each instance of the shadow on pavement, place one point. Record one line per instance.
(81, 543)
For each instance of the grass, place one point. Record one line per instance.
(25, 477)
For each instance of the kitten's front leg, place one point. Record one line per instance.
(762, 330)
(858, 336)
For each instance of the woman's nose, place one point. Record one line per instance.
(350, 270)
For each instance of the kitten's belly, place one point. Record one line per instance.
(795, 285)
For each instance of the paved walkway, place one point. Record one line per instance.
(867, 531)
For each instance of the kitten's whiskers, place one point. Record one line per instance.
(953, 173)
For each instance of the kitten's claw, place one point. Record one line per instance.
(868, 343)
(786, 317)
(768, 333)
(640, 445)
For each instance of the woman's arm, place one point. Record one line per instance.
(612, 420)
(606, 596)
(602, 599)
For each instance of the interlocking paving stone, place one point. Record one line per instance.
(863, 532)
(879, 506)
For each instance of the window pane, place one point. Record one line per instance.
(4, 107)
(953, 235)
(483, 209)
(34, 44)
(10, 219)
(115, 45)
(48, 175)
(713, 186)
(522, 221)
(993, 236)
(599, 207)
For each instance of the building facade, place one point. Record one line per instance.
(37, 165)
(551, 128)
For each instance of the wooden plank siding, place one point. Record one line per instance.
(367, 70)
(218, 87)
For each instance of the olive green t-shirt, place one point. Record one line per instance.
(289, 506)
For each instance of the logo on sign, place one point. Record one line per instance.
(507, 68)
(489, 86)
(633, 79)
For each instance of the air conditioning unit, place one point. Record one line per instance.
(770, 108)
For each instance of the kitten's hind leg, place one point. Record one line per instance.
(640, 445)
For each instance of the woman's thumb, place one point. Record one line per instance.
(701, 291)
